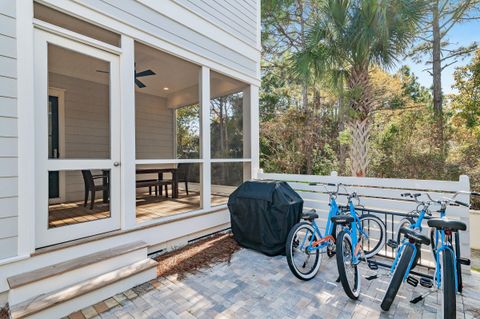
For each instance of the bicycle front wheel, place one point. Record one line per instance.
(449, 302)
(348, 272)
(302, 261)
(407, 223)
(397, 278)
(374, 228)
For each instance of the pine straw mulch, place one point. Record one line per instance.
(4, 312)
(193, 257)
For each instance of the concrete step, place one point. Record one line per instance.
(47, 279)
(59, 303)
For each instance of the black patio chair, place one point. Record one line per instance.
(183, 174)
(91, 188)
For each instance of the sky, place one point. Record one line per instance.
(461, 34)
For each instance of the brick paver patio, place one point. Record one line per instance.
(257, 286)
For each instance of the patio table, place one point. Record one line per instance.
(160, 172)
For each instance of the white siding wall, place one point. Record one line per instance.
(8, 131)
(237, 17)
(155, 131)
(87, 124)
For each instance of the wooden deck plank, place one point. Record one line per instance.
(148, 207)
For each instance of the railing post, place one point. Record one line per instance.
(465, 238)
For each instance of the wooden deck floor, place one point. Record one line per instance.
(148, 208)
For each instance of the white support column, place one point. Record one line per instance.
(255, 130)
(205, 137)
(247, 133)
(127, 87)
(26, 129)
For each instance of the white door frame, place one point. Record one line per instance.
(43, 235)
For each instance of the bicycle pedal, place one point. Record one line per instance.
(416, 299)
(372, 264)
(372, 277)
(425, 282)
(464, 261)
(412, 281)
(392, 243)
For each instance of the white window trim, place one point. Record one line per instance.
(230, 160)
(51, 28)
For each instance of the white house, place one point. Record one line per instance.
(124, 126)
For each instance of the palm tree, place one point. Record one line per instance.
(349, 38)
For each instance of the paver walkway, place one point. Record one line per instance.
(257, 286)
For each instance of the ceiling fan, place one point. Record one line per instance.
(140, 74)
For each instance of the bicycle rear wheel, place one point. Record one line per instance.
(449, 301)
(303, 263)
(348, 272)
(374, 228)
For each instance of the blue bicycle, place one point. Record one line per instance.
(447, 278)
(305, 242)
(357, 234)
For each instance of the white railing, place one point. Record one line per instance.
(382, 194)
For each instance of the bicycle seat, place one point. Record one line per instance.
(441, 223)
(415, 235)
(310, 216)
(342, 219)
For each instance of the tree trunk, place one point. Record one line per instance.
(362, 103)
(359, 150)
(307, 111)
(437, 74)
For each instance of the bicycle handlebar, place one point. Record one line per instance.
(449, 201)
(461, 203)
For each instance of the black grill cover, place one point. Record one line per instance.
(262, 213)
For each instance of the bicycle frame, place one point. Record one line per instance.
(417, 225)
(324, 240)
(352, 231)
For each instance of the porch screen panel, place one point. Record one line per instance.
(167, 135)
(79, 123)
(167, 116)
(229, 135)
(84, 196)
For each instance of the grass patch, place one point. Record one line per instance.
(4, 312)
